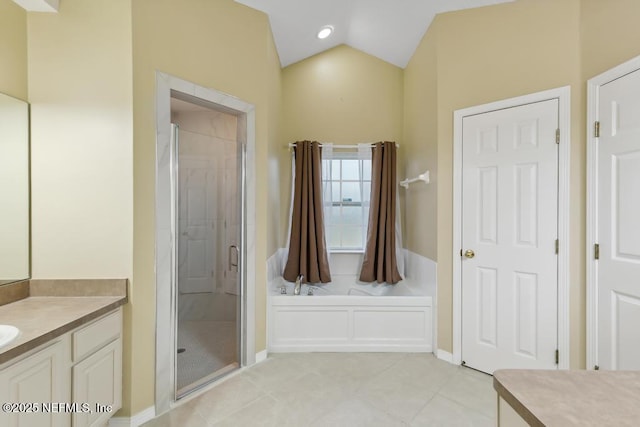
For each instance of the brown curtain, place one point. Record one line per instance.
(379, 263)
(307, 245)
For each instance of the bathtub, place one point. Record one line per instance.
(349, 316)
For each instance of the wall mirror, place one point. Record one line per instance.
(14, 190)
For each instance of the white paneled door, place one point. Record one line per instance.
(509, 285)
(618, 227)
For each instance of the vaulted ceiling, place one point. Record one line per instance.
(388, 29)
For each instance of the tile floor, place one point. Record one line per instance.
(343, 389)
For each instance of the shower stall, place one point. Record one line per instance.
(207, 224)
(205, 252)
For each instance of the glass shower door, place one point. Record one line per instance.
(207, 228)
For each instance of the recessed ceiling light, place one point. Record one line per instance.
(325, 32)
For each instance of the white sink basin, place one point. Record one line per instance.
(7, 334)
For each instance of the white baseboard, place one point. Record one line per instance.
(444, 355)
(150, 413)
(135, 420)
(261, 356)
(346, 348)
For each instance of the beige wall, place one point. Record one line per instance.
(84, 122)
(80, 91)
(494, 53)
(484, 55)
(218, 44)
(343, 96)
(81, 140)
(421, 146)
(609, 34)
(88, 107)
(13, 50)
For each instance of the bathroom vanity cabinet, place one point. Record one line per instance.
(97, 370)
(43, 376)
(73, 380)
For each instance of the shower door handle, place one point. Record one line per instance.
(232, 264)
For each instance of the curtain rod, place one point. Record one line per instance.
(339, 146)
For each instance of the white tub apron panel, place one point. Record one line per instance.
(350, 323)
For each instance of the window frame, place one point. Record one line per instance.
(328, 176)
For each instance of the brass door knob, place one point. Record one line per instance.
(469, 253)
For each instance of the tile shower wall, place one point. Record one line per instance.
(275, 264)
(207, 140)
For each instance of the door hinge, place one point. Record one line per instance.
(596, 129)
(557, 136)
(596, 251)
(557, 357)
(557, 246)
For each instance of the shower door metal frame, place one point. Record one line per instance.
(175, 256)
(241, 314)
(175, 173)
(165, 349)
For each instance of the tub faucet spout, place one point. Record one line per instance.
(299, 279)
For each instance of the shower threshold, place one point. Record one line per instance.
(203, 382)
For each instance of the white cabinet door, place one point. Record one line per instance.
(40, 378)
(618, 232)
(509, 229)
(97, 380)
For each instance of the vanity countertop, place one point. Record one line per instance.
(571, 398)
(54, 308)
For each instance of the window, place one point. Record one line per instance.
(346, 180)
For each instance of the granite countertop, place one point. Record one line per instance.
(572, 398)
(51, 308)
